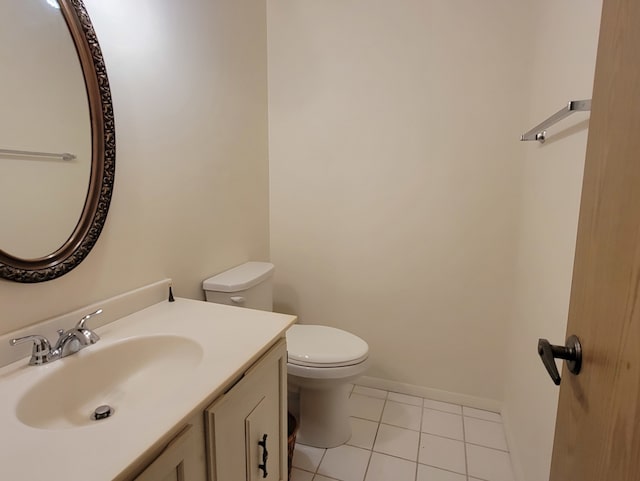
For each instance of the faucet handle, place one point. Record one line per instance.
(41, 347)
(82, 321)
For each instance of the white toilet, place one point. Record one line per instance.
(321, 359)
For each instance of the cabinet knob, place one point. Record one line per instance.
(265, 456)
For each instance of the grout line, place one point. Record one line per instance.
(320, 462)
(482, 419)
(327, 477)
(386, 393)
(441, 410)
(479, 479)
(488, 447)
(366, 471)
(384, 405)
(445, 469)
(419, 439)
(365, 419)
(464, 439)
(404, 427)
(478, 416)
(301, 469)
(375, 437)
(402, 459)
(445, 437)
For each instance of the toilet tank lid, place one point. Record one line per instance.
(240, 277)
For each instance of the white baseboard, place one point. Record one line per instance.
(435, 394)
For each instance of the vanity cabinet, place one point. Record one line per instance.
(246, 426)
(228, 443)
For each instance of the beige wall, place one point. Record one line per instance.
(191, 192)
(395, 178)
(404, 208)
(562, 61)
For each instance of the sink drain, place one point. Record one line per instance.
(102, 412)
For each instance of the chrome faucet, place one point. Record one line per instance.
(69, 342)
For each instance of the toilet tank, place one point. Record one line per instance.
(247, 285)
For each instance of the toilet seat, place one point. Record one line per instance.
(324, 347)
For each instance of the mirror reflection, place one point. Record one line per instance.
(44, 109)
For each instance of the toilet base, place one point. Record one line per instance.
(324, 416)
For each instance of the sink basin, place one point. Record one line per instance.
(123, 375)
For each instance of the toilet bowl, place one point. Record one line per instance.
(322, 360)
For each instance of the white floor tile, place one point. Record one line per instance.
(307, 457)
(402, 415)
(363, 433)
(397, 437)
(371, 392)
(485, 433)
(442, 406)
(404, 398)
(480, 414)
(442, 424)
(429, 473)
(389, 468)
(442, 453)
(365, 407)
(346, 463)
(300, 475)
(399, 442)
(487, 463)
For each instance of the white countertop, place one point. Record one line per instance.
(232, 339)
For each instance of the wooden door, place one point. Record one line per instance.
(598, 426)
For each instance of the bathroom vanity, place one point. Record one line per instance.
(239, 436)
(194, 389)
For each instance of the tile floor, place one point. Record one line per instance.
(406, 438)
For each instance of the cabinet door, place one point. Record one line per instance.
(170, 465)
(239, 419)
(262, 446)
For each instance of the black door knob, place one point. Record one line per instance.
(571, 352)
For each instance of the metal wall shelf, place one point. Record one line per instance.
(540, 134)
(26, 153)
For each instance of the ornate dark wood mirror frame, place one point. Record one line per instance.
(103, 155)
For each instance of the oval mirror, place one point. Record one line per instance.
(57, 139)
